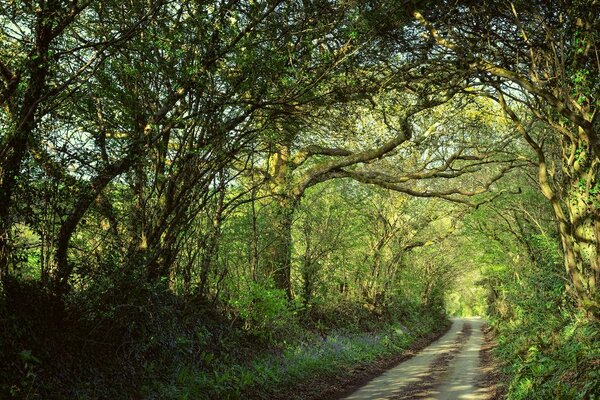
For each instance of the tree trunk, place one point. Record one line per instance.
(279, 249)
(254, 242)
(87, 196)
(5, 228)
(576, 205)
(578, 233)
(13, 149)
(213, 239)
(581, 241)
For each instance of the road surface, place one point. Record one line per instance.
(446, 369)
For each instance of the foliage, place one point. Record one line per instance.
(264, 310)
(327, 353)
(550, 349)
(153, 344)
(186, 186)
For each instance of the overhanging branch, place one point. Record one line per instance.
(456, 194)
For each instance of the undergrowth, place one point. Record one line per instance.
(550, 349)
(149, 343)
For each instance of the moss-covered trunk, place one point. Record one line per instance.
(576, 207)
(278, 251)
(580, 237)
(278, 254)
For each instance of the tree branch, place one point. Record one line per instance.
(456, 194)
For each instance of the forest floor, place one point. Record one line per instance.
(457, 366)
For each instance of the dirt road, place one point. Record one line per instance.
(447, 369)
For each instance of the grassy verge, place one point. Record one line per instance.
(155, 345)
(323, 362)
(550, 349)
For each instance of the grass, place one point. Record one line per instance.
(279, 375)
(156, 345)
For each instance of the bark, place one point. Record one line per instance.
(211, 245)
(254, 253)
(578, 226)
(14, 148)
(287, 190)
(278, 253)
(563, 104)
(68, 227)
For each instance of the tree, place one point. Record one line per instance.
(538, 60)
(47, 52)
(388, 145)
(175, 97)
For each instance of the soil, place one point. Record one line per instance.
(491, 377)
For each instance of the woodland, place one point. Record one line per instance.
(231, 199)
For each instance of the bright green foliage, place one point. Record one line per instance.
(550, 350)
(264, 310)
(335, 354)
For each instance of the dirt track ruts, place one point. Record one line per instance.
(449, 368)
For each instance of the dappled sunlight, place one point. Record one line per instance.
(458, 380)
(269, 199)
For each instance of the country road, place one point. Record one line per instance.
(447, 369)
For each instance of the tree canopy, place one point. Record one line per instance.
(269, 158)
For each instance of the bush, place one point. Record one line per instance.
(144, 341)
(549, 348)
(265, 311)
